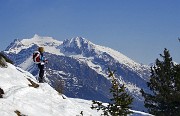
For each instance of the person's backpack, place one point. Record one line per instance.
(36, 57)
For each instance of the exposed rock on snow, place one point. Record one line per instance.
(3, 63)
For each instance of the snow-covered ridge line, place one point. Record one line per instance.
(51, 44)
(41, 41)
(48, 43)
(120, 57)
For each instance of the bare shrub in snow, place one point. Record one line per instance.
(33, 84)
(19, 113)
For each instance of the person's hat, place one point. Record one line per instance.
(41, 49)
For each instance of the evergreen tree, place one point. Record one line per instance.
(121, 100)
(165, 86)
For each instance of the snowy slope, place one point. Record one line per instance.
(83, 66)
(41, 101)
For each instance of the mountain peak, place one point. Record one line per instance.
(15, 44)
(40, 41)
(77, 42)
(36, 36)
(78, 45)
(48, 42)
(80, 39)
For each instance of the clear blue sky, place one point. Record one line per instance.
(140, 29)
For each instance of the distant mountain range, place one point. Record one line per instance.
(83, 66)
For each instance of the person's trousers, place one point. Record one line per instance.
(41, 72)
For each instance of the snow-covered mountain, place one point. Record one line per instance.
(20, 97)
(83, 66)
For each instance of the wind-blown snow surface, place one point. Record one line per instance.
(41, 101)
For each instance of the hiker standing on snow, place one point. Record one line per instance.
(40, 60)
